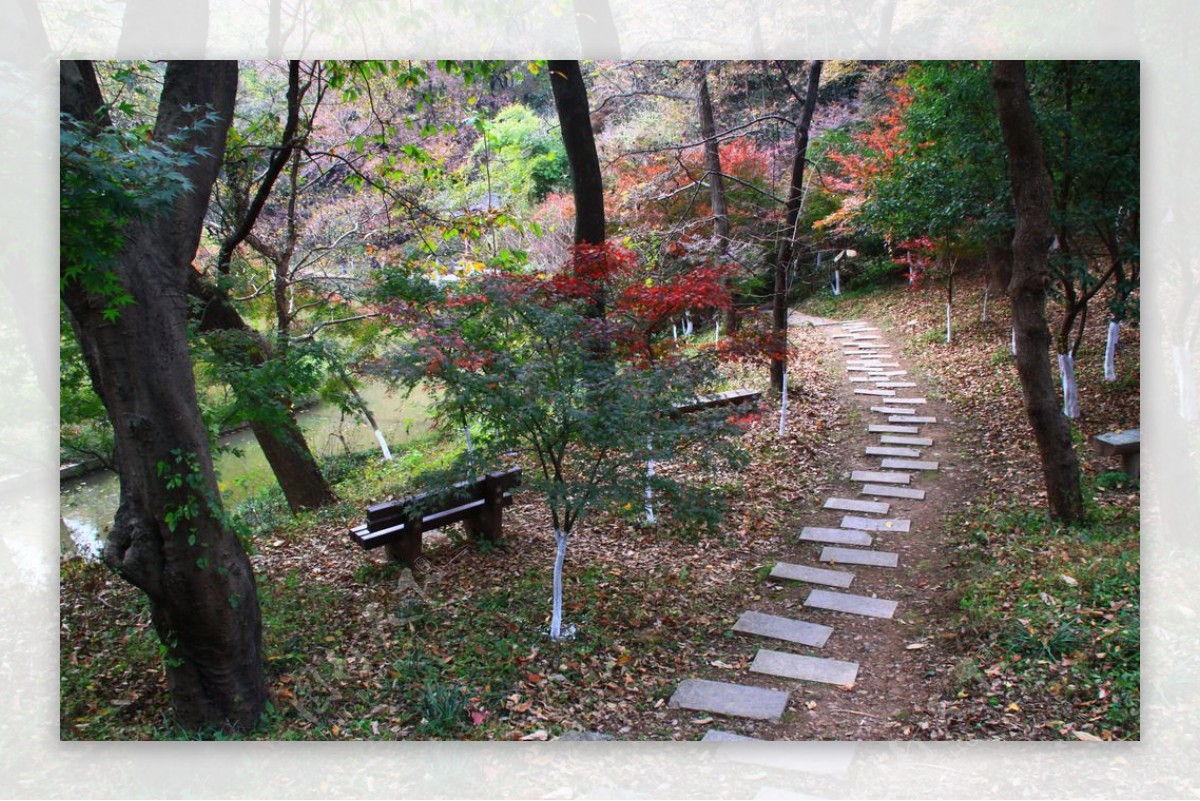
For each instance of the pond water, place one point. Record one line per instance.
(87, 503)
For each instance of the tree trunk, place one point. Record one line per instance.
(1032, 197)
(571, 102)
(716, 184)
(779, 311)
(282, 443)
(1000, 264)
(170, 537)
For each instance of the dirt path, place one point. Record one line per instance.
(901, 661)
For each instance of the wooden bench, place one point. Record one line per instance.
(727, 398)
(1127, 444)
(397, 525)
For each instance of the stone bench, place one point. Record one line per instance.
(1126, 444)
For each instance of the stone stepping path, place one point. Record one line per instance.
(851, 604)
(718, 736)
(854, 505)
(875, 450)
(882, 428)
(879, 477)
(909, 464)
(723, 698)
(854, 556)
(811, 575)
(805, 668)
(837, 536)
(876, 524)
(800, 632)
(867, 362)
(888, 491)
(893, 439)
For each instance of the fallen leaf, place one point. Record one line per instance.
(1086, 737)
(1068, 579)
(540, 734)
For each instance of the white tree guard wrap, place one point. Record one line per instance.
(687, 324)
(1110, 351)
(948, 338)
(675, 333)
(649, 477)
(983, 314)
(837, 283)
(1187, 382)
(560, 556)
(1014, 340)
(783, 406)
(717, 332)
(383, 446)
(1066, 367)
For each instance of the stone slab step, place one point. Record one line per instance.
(858, 368)
(911, 418)
(853, 556)
(838, 536)
(876, 524)
(718, 736)
(880, 477)
(874, 392)
(865, 337)
(783, 628)
(843, 335)
(893, 410)
(897, 384)
(813, 575)
(870, 345)
(896, 372)
(723, 698)
(881, 428)
(853, 604)
(893, 439)
(888, 491)
(804, 668)
(875, 450)
(861, 378)
(909, 464)
(907, 400)
(855, 505)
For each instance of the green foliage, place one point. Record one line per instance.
(110, 177)
(525, 155)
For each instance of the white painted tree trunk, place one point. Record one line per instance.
(649, 477)
(383, 446)
(947, 323)
(560, 556)
(1066, 367)
(470, 445)
(837, 283)
(1014, 341)
(783, 400)
(1110, 351)
(1187, 384)
(983, 314)
(717, 332)
(687, 324)
(675, 333)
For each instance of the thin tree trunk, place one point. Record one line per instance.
(716, 184)
(1032, 197)
(282, 443)
(779, 310)
(170, 537)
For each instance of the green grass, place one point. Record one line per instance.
(1057, 608)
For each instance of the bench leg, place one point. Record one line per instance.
(406, 550)
(1132, 464)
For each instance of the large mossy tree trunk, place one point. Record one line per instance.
(787, 244)
(1033, 194)
(170, 537)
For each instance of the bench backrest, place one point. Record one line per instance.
(460, 494)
